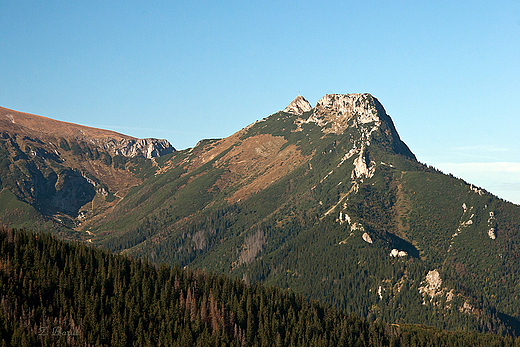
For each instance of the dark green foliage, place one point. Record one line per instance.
(59, 294)
(486, 269)
(119, 161)
(141, 167)
(64, 145)
(76, 148)
(19, 214)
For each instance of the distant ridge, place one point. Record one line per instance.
(114, 142)
(54, 127)
(69, 173)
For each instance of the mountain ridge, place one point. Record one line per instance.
(329, 202)
(358, 197)
(68, 172)
(114, 142)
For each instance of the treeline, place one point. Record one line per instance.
(55, 293)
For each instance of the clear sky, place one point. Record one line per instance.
(448, 72)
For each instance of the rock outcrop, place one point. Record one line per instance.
(342, 108)
(148, 148)
(298, 106)
(397, 253)
(367, 238)
(431, 285)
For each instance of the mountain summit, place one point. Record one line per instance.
(298, 106)
(335, 113)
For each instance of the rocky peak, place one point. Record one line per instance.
(340, 108)
(340, 111)
(335, 113)
(298, 106)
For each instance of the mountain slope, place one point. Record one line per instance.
(328, 201)
(71, 174)
(55, 293)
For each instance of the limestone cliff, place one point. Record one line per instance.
(298, 106)
(148, 148)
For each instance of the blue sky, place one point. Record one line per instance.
(447, 72)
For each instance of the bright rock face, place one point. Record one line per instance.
(148, 148)
(298, 106)
(367, 238)
(342, 108)
(432, 284)
(361, 169)
(396, 253)
(338, 110)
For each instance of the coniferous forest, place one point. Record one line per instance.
(57, 293)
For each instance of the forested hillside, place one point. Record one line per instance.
(55, 293)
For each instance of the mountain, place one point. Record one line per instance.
(64, 174)
(330, 202)
(327, 201)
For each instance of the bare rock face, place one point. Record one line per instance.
(70, 192)
(148, 148)
(431, 285)
(339, 109)
(298, 106)
(367, 238)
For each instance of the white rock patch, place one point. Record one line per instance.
(344, 218)
(396, 253)
(491, 232)
(432, 285)
(366, 238)
(298, 106)
(476, 190)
